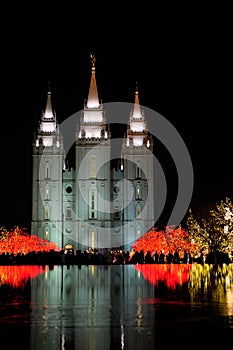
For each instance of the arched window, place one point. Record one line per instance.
(46, 232)
(138, 232)
(138, 211)
(68, 213)
(92, 172)
(46, 212)
(138, 172)
(138, 194)
(47, 170)
(116, 212)
(92, 203)
(47, 192)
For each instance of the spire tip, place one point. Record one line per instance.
(93, 60)
(136, 91)
(49, 88)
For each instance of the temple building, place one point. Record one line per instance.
(101, 202)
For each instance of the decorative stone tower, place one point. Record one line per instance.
(93, 172)
(48, 160)
(137, 164)
(95, 204)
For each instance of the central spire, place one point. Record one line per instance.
(137, 110)
(48, 114)
(92, 123)
(93, 99)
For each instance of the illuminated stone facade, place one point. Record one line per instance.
(102, 202)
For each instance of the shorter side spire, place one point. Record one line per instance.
(48, 114)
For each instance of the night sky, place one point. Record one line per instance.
(179, 56)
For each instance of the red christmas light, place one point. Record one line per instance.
(169, 240)
(18, 241)
(171, 274)
(18, 276)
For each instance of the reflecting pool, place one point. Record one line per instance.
(145, 306)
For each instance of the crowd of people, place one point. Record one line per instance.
(107, 256)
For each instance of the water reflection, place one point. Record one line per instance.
(113, 307)
(171, 274)
(18, 276)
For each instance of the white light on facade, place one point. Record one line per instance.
(137, 126)
(47, 141)
(48, 126)
(138, 141)
(93, 116)
(95, 132)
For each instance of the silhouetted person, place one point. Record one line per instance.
(169, 257)
(161, 257)
(176, 257)
(148, 258)
(156, 257)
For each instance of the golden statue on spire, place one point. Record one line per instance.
(93, 60)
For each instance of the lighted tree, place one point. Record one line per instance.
(18, 241)
(213, 233)
(169, 240)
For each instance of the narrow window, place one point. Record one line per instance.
(138, 232)
(47, 170)
(138, 193)
(138, 172)
(92, 239)
(68, 213)
(46, 213)
(138, 211)
(46, 192)
(92, 173)
(92, 204)
(116, 213)
(46, 232)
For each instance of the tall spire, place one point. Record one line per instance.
(137, 124)
(136, 110)
(48, 114)
(48, 122)
(93, 99)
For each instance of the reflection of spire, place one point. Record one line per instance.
(93, 99)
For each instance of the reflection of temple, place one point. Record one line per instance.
(91, 205)
(101, 307)
(112, 306)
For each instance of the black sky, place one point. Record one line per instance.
(179, 55)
